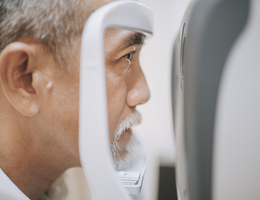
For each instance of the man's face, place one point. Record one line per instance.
(126, 88)
(126, 85)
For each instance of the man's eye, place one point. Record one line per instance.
(129, 55)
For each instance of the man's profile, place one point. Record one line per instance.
(39, 95)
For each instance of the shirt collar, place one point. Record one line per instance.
(8, 190)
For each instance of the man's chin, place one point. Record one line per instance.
(124, 163)
(124, 140)
(126, 158)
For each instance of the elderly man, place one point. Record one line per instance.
(39, 95)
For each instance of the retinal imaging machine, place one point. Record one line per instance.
(216, 101)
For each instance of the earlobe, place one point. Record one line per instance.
(17, 65)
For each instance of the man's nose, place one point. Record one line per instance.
(139, 93)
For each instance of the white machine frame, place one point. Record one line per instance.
(93, 118)
(216, 99)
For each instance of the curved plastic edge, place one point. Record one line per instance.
(93, 117)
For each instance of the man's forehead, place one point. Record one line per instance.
(117, 38)
(95, 4)
(121, 38)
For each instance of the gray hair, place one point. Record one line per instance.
(54, 23)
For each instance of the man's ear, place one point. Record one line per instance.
(17, 67)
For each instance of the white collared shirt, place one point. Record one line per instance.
(8, 190)
(58, 191)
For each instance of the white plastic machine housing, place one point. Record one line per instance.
(94, 144)
(236, 156)
(216, 97)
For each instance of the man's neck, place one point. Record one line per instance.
(27, 167)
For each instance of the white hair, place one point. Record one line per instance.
(54, 23)
(130, 121)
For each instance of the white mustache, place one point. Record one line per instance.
(130, 121)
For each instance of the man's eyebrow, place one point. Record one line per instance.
(134, 39)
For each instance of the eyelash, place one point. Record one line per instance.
(126, 60)
(129, 56)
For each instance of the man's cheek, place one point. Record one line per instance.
(116, 92)
(116, 105)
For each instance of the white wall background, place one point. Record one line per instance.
(156, 130)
